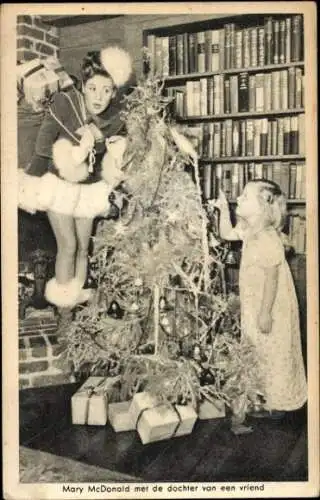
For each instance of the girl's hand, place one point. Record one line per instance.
(87, 140)
(265, 322)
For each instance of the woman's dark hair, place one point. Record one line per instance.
(91, 66)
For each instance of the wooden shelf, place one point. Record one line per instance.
(238, 159)
(245, 114)
(251, 69)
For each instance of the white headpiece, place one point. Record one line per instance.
(117, 62)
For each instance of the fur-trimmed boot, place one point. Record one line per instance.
(68, 294)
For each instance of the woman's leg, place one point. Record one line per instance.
(64, 230)
(83, 232)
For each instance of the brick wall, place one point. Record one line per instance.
(40, 362)
(35, 38)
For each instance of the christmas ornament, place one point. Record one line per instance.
(115, 310)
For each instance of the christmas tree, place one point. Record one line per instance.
(162, 320)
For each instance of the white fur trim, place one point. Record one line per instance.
(65, 295)
(49, 192)
(117, 62)
(63, 158)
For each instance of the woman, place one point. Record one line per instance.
(76, 165)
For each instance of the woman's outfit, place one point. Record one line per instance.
(59, 179)
(279, 350)
(55, 179)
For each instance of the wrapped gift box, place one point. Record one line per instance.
(89, 405)
(156, 422)
(208, 409)
(119, 416)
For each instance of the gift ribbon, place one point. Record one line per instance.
(90, 391)
(173, 407)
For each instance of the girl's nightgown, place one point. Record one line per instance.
(279, 350)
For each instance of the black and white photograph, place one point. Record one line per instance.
(160, 243)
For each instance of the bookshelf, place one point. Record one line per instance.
(236, 86)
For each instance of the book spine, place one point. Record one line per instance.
(238, 49)
(264, 137)
(276, 42)
(286, 135)
(259, 98)
(211, 135)
(215, 50)
(274, 137)
(252, 93)
(251, 171)
(249, 137)
(227, 96)
(282, 41)
(228, 137)
(180, 54)
(216, 95)
(275, 90)
(232, 58)
(203, 97)
(296, 38)
(291, 87)
(253, 47)
(208, 49)
(294, 135)
(218, 179)
(303, 182)
(267, 92)
(227, 183)
(243, 138)
(186, 68)
(210, 101)
(243, 82)
(299, 181)
(301, 127)
(189, 99)
(288, 40)
(221, 48)
(246, 48)
(196, 92)
(223, 138)
(205, 145)
(227, 53)
(172, 55)
(277, 172)
(165, 56)
(280, 137)
(284, 89)
(235, 138)
(292, 180)
(217, 139)
(269, 138)
(201, 52)
(258, 171)
(192, 47)
(257, 137)
(298, 88)
(268, 41)
(261, 46)
(234, 93)
(241, 178)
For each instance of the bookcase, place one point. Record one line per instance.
(237, 88)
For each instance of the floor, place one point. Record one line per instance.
(275, 451)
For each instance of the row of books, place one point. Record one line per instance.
(232, 177)
(249, 137)
(296, 230)
(278, 40)
(223, 94)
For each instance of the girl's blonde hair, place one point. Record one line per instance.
(274, 202)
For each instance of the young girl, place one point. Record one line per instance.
(76, 165)
(269, 309)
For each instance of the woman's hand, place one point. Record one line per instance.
(87, 138)
(265, 322)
